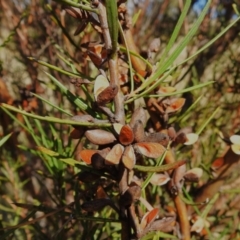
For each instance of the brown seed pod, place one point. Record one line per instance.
(138, 130)
(171, 133)
(76, 133)
(86, 155)
(126, 135)
(151, 150)
(129, 158)
(175, 104)
(193, 175)
(139, 114)
(115, 154)
(100, 137)
(100, 84)
(158, 137)
(149, 217)
(107, 95)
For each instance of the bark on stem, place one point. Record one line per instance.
(112, 64)
(104, 25)
(180, 205)
(118, 103)
(183, 217)
(118, 100)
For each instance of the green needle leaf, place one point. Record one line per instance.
(5, 138)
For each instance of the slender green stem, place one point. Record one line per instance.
(182, 91)
(136, 55)
(60, 69)
(210, 205)
(54, 119)
(207, 122)
(162, 168)
(78, 5)
(51, 104)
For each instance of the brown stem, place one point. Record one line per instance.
(125, 230)
(134, 219)
(104, 25)
(108, 112)
(119, 115)
(183, 217)
(112, 64)
(122, 178)
(123, 186)
(118, 99)
(179, 204)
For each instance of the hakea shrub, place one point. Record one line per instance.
(123, 146)
(123, 154)
(123, 151)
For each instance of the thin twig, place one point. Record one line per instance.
(118, 100)
(110, 40)
(112, 64)
(183, 217)
(104, 25)
(180, 205)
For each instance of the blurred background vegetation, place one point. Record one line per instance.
(43, 30)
